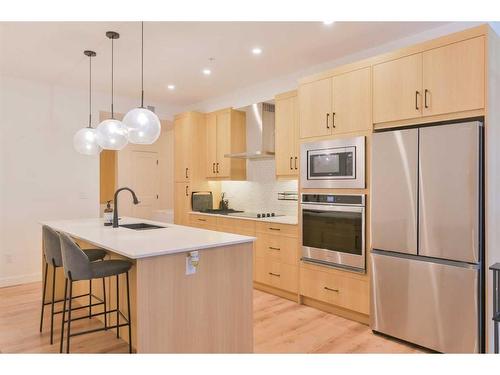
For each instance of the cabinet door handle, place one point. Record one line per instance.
(187, 169)
(274, 274)
(187, 194)
(425, 98)
(331, 290)
(296, 158)
(217, 169)
(271, 228)
(327, 118)
(202, 219)
(417, 93)
(291, 162)
(333, 120)
(213, 168)
(274, 248)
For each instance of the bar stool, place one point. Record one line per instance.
(77, 266)
(52, 255)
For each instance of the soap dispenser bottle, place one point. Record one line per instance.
(108, 214)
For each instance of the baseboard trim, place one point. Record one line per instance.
(22, 279)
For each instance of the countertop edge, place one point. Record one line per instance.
(276, 219)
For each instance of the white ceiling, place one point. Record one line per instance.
(176, 52)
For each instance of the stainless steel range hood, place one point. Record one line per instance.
(260, 132)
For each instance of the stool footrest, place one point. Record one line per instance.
(81, 307)
(74, 297)
(96, 314)
(99, 329)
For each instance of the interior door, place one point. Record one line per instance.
(145, 183)
(211, 144)
(352, 101)
(315, 109)
(449, 191)
(453, 77)
(394, 191)
(397, 89)
(223, 169)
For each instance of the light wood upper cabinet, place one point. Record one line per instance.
(336, 105)
(211, 139)
(397, 89)
(183, 160)
(225, 134)
(287, 134)
(315, 108)
(453, 77)
(352, 102)
(438, 81)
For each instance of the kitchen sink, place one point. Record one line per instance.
(141, 226)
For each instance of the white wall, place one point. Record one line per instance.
(41, 176)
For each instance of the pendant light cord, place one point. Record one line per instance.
(90, 91)
(142, 64)
(112, 78)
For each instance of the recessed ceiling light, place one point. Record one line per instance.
(171, 87)
(207, 72)
(328, 22)
(257, 51)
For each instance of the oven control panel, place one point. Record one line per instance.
(355, 200)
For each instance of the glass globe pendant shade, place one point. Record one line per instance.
(112, 135)
(143, 126)
(85, 142)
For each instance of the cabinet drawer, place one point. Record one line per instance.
(203, 221)
(276, 274)
(236, 226)
(346, 292)
(282, 249)
(275, 228)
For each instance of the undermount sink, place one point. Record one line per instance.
(141, 226)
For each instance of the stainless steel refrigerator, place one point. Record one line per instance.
(427, 236)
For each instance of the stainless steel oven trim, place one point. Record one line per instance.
(358, 182)
(362, 204)
(332, 257)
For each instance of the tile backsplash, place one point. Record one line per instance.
(260, 192)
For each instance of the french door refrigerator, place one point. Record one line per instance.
(427, 236)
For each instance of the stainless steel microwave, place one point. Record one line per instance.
(333, 163)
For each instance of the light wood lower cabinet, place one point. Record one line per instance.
(277, 248)
(203, 221)
(337, 289)
(276, 274)
(182, 203)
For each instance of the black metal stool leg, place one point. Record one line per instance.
(43, 295)
(117, 308)
(63, 314)
(129, 318)
(90, 298)
(69, 314)
(52, 304)
(104, 299)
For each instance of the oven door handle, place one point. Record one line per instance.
(313, 208)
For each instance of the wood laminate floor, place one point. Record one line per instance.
(280, 326)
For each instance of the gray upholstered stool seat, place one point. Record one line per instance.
(95, 254)
(110, 268)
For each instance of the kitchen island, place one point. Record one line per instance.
(173, 309)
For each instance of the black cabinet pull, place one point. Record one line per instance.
(271, 228)
(187, 172)
(417, 93)
(202, 219)
(296, 158)
(425, 98)
(274, 248)
(327, 117)
(333, 120)
(213, 168)
(217, 169)
(274, 274)
(291, 162)
(187, 194)
(331, 290)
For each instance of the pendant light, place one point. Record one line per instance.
(143, 126)
(85, 140)
(112, 134)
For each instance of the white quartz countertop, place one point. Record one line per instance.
(291, 220)
(137, 244)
